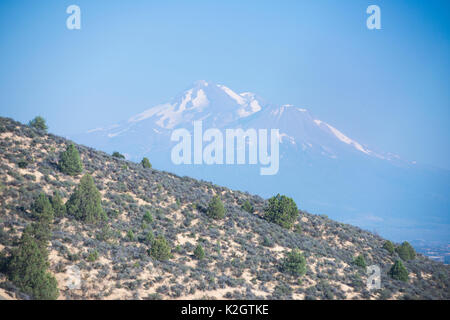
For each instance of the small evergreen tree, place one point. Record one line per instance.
(199, 253)
(247, 206)
(85, 202)
(42, 208)
(389, 246)
(216, 210)
(160, 249)
(149, 238)
(38, 123)
(294, 263)
(59, 208)
(398, 271)
(28, 268)
(22, 164)
(43, 213)
(148, 217)
(146, 163)
(360, 261)
(281, 210)
(70, 161)
(116, 154)
(130, 235)
(92, 256)
(406, 251)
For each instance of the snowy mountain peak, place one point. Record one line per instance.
(201, 83)
(205, 101)
(218, 106)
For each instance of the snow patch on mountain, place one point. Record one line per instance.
(342, 137)
(200, 100)
(240, 100)
(149, 112)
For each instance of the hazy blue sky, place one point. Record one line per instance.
(386, 88)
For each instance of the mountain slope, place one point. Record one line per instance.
(353, 183)
(243, 251)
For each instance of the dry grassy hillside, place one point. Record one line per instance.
(243, 251)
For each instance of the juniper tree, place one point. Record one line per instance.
(38, 123)
(160, 249)
(247, 206)
(281, 210)
(398, 271)
(360, 261)
(146, 163)
(28, 268)
(116, 154)
(406, 251)
(389, 246)
(43, 213)
(199, 253)
(85, 202)
(148, 217)
(70, 161)
(59, 208)
(216, 210)
(42, 208)
(294, 263)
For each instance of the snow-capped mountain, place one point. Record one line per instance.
(215, 105)
(321, 167)
(219, 107)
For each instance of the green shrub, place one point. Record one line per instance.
(59, 208)
(105, 233)
(42, 208)
(92, 256)
(406, 251)
(146, 163)
(267, 242)
(85, 202)
(130, 235)
(38, 123)
(160, 249)
(43, 213)
(294, 263)
(389, 246)
(398, 271)
(216, 209)
(281, 210)
(149, 238)
(22, 164)
(199, 253)
(247, 206)
(360, 261)
(70, 161)
(148, 217)
(116, 154)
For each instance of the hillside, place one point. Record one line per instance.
(243, 251)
